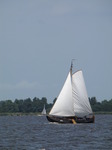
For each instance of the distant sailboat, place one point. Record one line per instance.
(72, 104)
(44, 111)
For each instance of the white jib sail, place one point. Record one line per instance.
(44, 111)
(81, 103)
(64, 103)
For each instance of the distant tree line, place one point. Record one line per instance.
(36, 105)
(24, 105)
(104, 106)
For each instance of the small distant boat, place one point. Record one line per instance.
(44, 111)
(72, 104)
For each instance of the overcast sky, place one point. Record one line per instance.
(38, 39)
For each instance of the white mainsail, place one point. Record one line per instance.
(64, 103)
(44, 111)
(81, 103)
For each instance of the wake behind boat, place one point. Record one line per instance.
(72, 104)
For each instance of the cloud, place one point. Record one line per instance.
(18, 86)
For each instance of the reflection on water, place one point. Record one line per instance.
(36, 133)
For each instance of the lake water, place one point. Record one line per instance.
(36, 133)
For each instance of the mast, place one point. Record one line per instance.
(71, 66)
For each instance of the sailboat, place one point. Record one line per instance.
(44, 111)
(72, 104)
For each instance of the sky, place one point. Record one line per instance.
(39, 38)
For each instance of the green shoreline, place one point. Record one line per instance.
(103, 113)
(20, 114)
(37, 114)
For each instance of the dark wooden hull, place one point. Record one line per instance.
(70, 119)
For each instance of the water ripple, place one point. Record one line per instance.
(36, 133)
